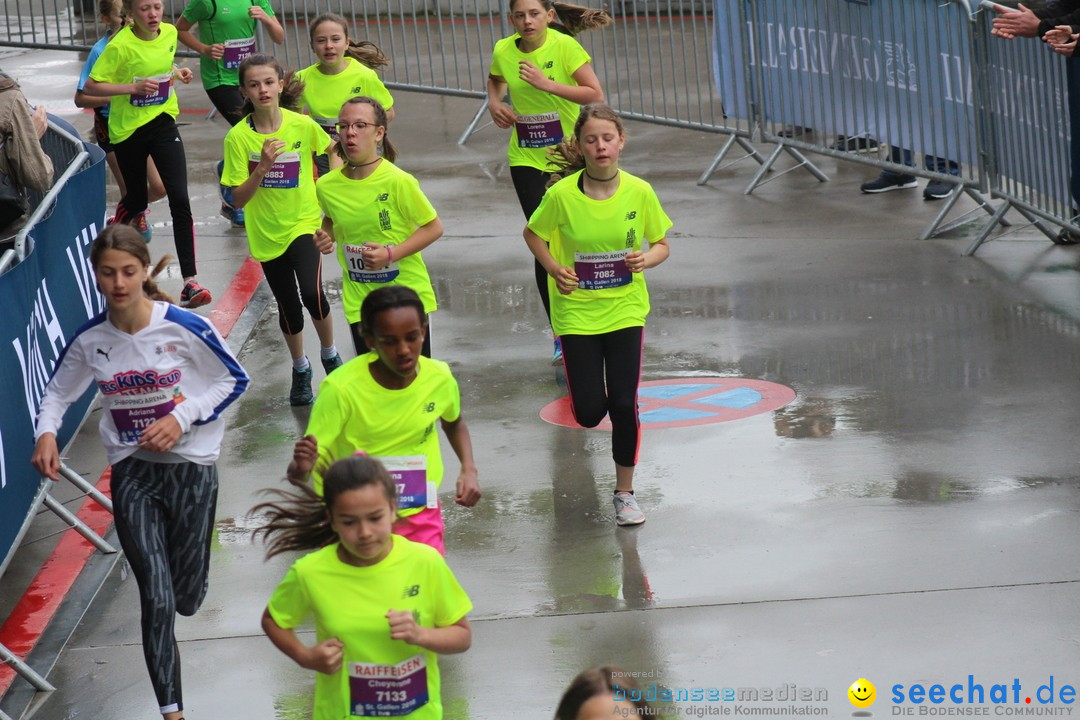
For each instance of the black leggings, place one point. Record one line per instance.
(164, 519)
(160, 140)
(361, 347)
(529, 183)
(228, 101)
(300, 266)
(616, 358)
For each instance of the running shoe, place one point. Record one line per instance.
(627, 511)
(301, 394)
(556, 355)
(143, 226)
(194, 295)
(237, 217)
(332, 363)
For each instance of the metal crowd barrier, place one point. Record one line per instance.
(917, 75)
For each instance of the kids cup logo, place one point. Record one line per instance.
(862, 694)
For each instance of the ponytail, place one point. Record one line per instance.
(367, 53)
(149, 286)
(575, 19)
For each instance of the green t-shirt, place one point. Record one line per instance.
(225, 21)
(386, 208)
(350, 603)
(594, 237)
(284, 206)
(325, 94)
(543, 119)
(127, 59)
(354, 412)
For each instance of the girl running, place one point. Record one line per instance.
(345, 69)
(227, 30)
(378, 214)
(595, 219)
(385, 608)
(549, 76)
(136, 71)
(385, 403)
(268, 168)
(112, 19)
(165, 377)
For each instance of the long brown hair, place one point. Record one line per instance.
(127, 239)
(290, 94)
(367, 53)
(602, 680)
(389, 152)
(567, 156)
(300, 520)
(573, 19)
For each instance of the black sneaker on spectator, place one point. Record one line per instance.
(855, 144)
(794, 131)
(938, 190)
(889, 181)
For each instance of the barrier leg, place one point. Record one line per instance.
(987, 206)
(751, 152)
(80, 527)
(1000, 213)
(1038, 223)
(765, 167)
(805, 162)
(472, 125)
(212, 114)
(28, 673)
(950, 202)
(80, 482)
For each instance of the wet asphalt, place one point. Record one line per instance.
(911, 517)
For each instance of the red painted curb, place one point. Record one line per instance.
(37, 607)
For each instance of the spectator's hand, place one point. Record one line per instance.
(1058, 35)
(1013, 24)
(1067, 49)
(41, 121)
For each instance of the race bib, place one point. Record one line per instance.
(327, 124)
(159, 97)
(599, 271)
(359, 272)
(409, 473)
(388, 690)
(132, 414)
(537, 131)
(284, 174)
(236, 51)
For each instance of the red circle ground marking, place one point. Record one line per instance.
(687, 402)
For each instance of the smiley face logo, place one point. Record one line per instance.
(862, 693)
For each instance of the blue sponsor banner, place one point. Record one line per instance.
(45, 299)
(897, 70)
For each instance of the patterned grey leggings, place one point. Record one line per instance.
(164, 518)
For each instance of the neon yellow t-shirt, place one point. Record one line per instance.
(594, 237)
(354, 412)
(128, 59)
(284, 206)
(350, 603)
(325, 94)
(543, 119)
(385, 207)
